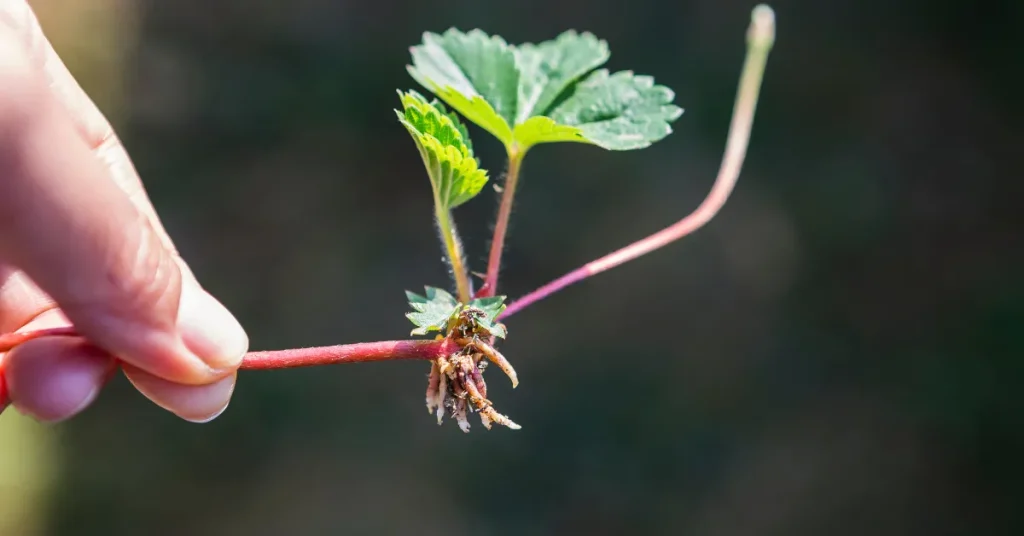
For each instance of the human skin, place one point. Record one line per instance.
(81, 245)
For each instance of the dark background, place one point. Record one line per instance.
(837, 353)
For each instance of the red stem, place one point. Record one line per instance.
(707, 210)
(361, 352)
(760, 38)
(515, 159)
(297, 357)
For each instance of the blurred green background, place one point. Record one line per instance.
(840, 352)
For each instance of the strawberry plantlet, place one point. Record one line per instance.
(522, 95)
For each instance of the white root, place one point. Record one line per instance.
(442, 392)
(460, 416)
(456, 385)
(495, 357)
(487, 411)
(433, 382)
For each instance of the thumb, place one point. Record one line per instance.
(66, 224)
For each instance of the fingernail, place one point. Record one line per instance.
(211, 417)
(209, 330)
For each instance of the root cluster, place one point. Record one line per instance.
(456, 385)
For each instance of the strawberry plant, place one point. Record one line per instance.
(522, 95)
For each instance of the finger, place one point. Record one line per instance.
(93, 126)
(194, 403)
(20, 299)
(85, 243)
(88, 120)
(58, 380)
(55, 378)
(19, 18)
(86, 116)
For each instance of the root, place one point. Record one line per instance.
(456, 383)
(494, 356)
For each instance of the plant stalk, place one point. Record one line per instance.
(515, 161)
(453, 249)
(760, 39)
(361, 352)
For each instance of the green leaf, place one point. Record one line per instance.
(545, 130)
(529, 94)
(474, 73)
(548, 69)
(620, 111)
(434, 310)
(458, 124)
(492, 307)
(431, 311)
(447, 153)
(477, 110)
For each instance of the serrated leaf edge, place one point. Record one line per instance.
(506, 133)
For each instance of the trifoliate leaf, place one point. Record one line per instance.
(529, 94)
(491, 307)
(454, 172)
(431, 311)
(620, 111)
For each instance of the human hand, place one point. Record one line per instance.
(81, 244)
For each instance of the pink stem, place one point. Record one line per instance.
(515, 159)
(279, 359)
(361, 352)
(760, 38)
(298, 357)
(703, 214)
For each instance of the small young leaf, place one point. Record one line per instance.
(458, 124)
(454, 172)
(492, 307)
(436, 309)
(432, 310)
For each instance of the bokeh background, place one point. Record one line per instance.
(838, 353)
